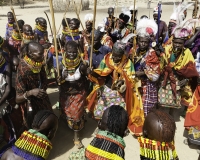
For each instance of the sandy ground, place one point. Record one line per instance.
(63, 142)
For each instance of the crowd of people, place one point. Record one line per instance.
(131, 75)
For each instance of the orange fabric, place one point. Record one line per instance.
(192, 117)
(132, 97)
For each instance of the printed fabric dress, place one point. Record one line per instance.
(103, 95)
(73, 97)
(149, 63)
(26, 80)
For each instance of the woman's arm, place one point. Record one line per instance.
(8, 84)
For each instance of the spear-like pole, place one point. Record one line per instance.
(13, 11)
(49, 23)
(77, 14)
(63, 16)
(93, 28)
(54, 35)
(134, 28)
(73, 38)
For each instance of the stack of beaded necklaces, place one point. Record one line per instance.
(34, 66)
(32, 145)
(75, 34)
(65, 31)
(155, 150)
(16, 36)
(71, 64)
(27, 38)
(40, 28)
(106, 146)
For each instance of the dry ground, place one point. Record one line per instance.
(63, 142)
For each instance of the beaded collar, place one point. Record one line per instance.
(65, 31)
(28, 37)
(10, 25)
(34, 66)
(32, 145)
(40, 28)
(73, 32)
(157, 150)
(71, 63)
(106, 145)
(16, 36)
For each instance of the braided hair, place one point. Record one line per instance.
(40, 117)
(117, 120)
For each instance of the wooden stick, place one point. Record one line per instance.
(54, 35)
(63, 16)
(73, 38)
(49, 23)
(93, 28)
(13, 11)
(134, 38)
(77, 14)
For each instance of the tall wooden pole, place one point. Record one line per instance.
(93, 28)
(54, 34)
(13, 11)
(134, 28)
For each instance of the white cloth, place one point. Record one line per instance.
(73, 77)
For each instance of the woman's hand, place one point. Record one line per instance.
(39, 93)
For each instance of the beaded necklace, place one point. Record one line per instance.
(28, 37)
(32, 145)
(40, 28)
(10, 25)
(73, 32)
(71, 65)
(157, 150)
(106, 145)
(65, 31)
(34, 66)
(16, 36)
(106, 134)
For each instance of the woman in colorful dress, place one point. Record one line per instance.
(109, 142)
(9, 25)
(179, 72)
(35, 143)
(73, 90)
(31, 83)
(147, 64)
(115, 85)
(74, 34)
(41, 34)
